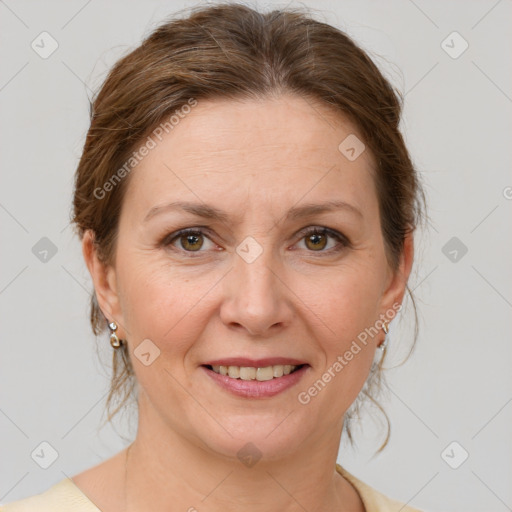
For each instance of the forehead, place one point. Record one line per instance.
(254, 153)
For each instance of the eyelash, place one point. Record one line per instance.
(343, 241)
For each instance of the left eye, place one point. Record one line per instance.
(316, 239)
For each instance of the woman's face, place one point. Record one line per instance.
(253, 285)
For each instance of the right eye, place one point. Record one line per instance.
(189, 240)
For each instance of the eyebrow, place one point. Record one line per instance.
(211, 212)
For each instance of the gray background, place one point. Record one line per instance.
(457, 124)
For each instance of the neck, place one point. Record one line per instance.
(167, 470)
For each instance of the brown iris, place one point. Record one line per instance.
(316, 240)
(193, 242)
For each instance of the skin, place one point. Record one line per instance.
(255, 160)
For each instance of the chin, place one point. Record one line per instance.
(254, 436)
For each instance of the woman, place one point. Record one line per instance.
(246, 206)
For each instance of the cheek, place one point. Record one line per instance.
(347, 305)
(160, 302)
(346, 300)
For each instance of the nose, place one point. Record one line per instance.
(256, 297)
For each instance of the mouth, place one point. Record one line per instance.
(260, 374)
(255, 379)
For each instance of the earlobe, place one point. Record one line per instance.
(104, 280)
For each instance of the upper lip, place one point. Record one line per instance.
(256, 363)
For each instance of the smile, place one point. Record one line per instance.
(262, 381)
(252, 373)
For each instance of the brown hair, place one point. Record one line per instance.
(233, 51)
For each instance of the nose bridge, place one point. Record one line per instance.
(255, 298)
(254, 273)
(253, 265)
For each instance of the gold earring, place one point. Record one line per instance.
(114, 340)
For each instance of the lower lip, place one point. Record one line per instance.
(256, 388)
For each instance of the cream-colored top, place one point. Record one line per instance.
(66, 496)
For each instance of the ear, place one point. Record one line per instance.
(104, 280)
(396, 283)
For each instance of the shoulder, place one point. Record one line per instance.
(373, 500)
(62, 497)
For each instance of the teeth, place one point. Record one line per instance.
(247, 373)
(251, 373)
(266, 373)
(234, 372)
(278, 370)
